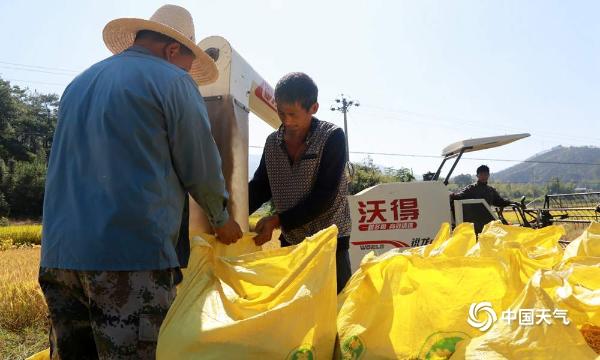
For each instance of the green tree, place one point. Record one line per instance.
(4, 206)
(463, 180)
(27, 123)
(25, 187)
(367, 174)
(9, 114)
(398, 175)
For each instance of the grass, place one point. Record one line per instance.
(23, 344)
(23, 311)
(20, 235)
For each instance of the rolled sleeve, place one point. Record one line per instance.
(194, 153)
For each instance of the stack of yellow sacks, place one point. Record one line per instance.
(514, 294)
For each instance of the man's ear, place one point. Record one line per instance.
(171, 50)
(314, 108)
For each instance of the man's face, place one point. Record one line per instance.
(483, 177)
(294, 117)
(174, 54)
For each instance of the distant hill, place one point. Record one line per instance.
(559, 162)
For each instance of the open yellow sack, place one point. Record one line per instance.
(416, 304)
(274, 304)
(243, 246)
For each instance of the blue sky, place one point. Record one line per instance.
(427, 73)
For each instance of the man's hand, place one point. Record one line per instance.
(264, 228)
(229, 233)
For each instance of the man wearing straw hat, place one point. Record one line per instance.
(132, 139)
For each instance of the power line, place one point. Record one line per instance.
(53, 70)
(464, 158)
(36, 70)
(40, 67)
(471, 123)
(455, 120)
(540, 134)
(68, 72)
(37, 82)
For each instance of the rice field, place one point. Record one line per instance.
(20, 235)
(23, 311)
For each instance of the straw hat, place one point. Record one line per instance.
(172, 21)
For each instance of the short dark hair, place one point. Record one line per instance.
(483, 169)
(162, 38)
(297, 87)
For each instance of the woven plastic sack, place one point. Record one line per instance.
(273, 304)
(42, 355)
(511, 339)
(417, 304)
(414, 305)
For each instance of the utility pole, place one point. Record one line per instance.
(343, 104)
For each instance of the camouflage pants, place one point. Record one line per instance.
(106, 314)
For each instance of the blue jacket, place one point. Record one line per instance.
(132, 138)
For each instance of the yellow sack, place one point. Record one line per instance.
(274, 304)
(401, 306)
(551, 339)
(586, 245)
(577, 289)
(578, 284)
(416, 304)
(42, 355)
(243, 246)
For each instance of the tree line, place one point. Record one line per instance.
(27, 123)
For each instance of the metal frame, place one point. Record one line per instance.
(562, 208)
(439, 170)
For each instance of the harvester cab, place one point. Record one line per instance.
(476, 211)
